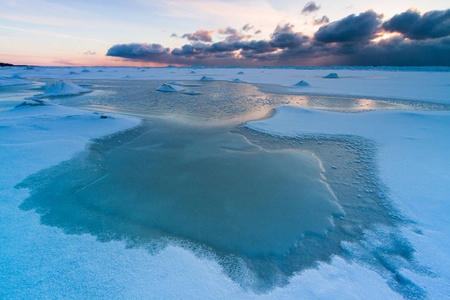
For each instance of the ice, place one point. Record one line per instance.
(184, 84)
(191, 93)
(331, 75)
(424, 83)
(13, 81)
(237, 80)
(301, 83)
(206, 78)
(169, 88)
(62, 88)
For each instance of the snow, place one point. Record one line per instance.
(62, 88)
(331, 75)
(237, 80)
(416, 84)
(184, 84)
(413, 161)
(13, 81)
(205, 78)
(169, 88)
(301, 83)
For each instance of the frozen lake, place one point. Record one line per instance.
(265, 208)
(191, 175)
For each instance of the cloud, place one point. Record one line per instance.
(232, 34)
(137, 51)
(202, 35)
(285, 37)
(309, 8)
(323, 20)
(247, 27)
(89, 52)
(413, 25)
(352, 28)
(348, 41)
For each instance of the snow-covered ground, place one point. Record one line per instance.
(38, 261)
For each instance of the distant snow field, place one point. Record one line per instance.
(411, 160)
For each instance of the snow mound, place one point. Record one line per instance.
(331, 75)
(166, 87)
(85, 71)
(62, 88)
(16, 76)
(237, 80)
(13, 81)
(72, 73)
(301, 83)
(240, 73)
(184, 84)
(192, 72)
(206, 78)
(191, 93)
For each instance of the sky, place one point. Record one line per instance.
(225, 32)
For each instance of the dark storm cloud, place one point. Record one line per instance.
(137, 51)
(310, 7)
(350, 29)
(323, 20)
(411, 24)
(285, 37)
(344, 42)
(202, 35)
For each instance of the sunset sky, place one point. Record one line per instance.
(227, 32)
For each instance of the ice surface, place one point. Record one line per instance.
(13, 81)
(206, 78)
(195, 185)
(191, 93)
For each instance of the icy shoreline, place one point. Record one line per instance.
(33, 138)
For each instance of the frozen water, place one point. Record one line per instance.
(165, 87)
(331, 75)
